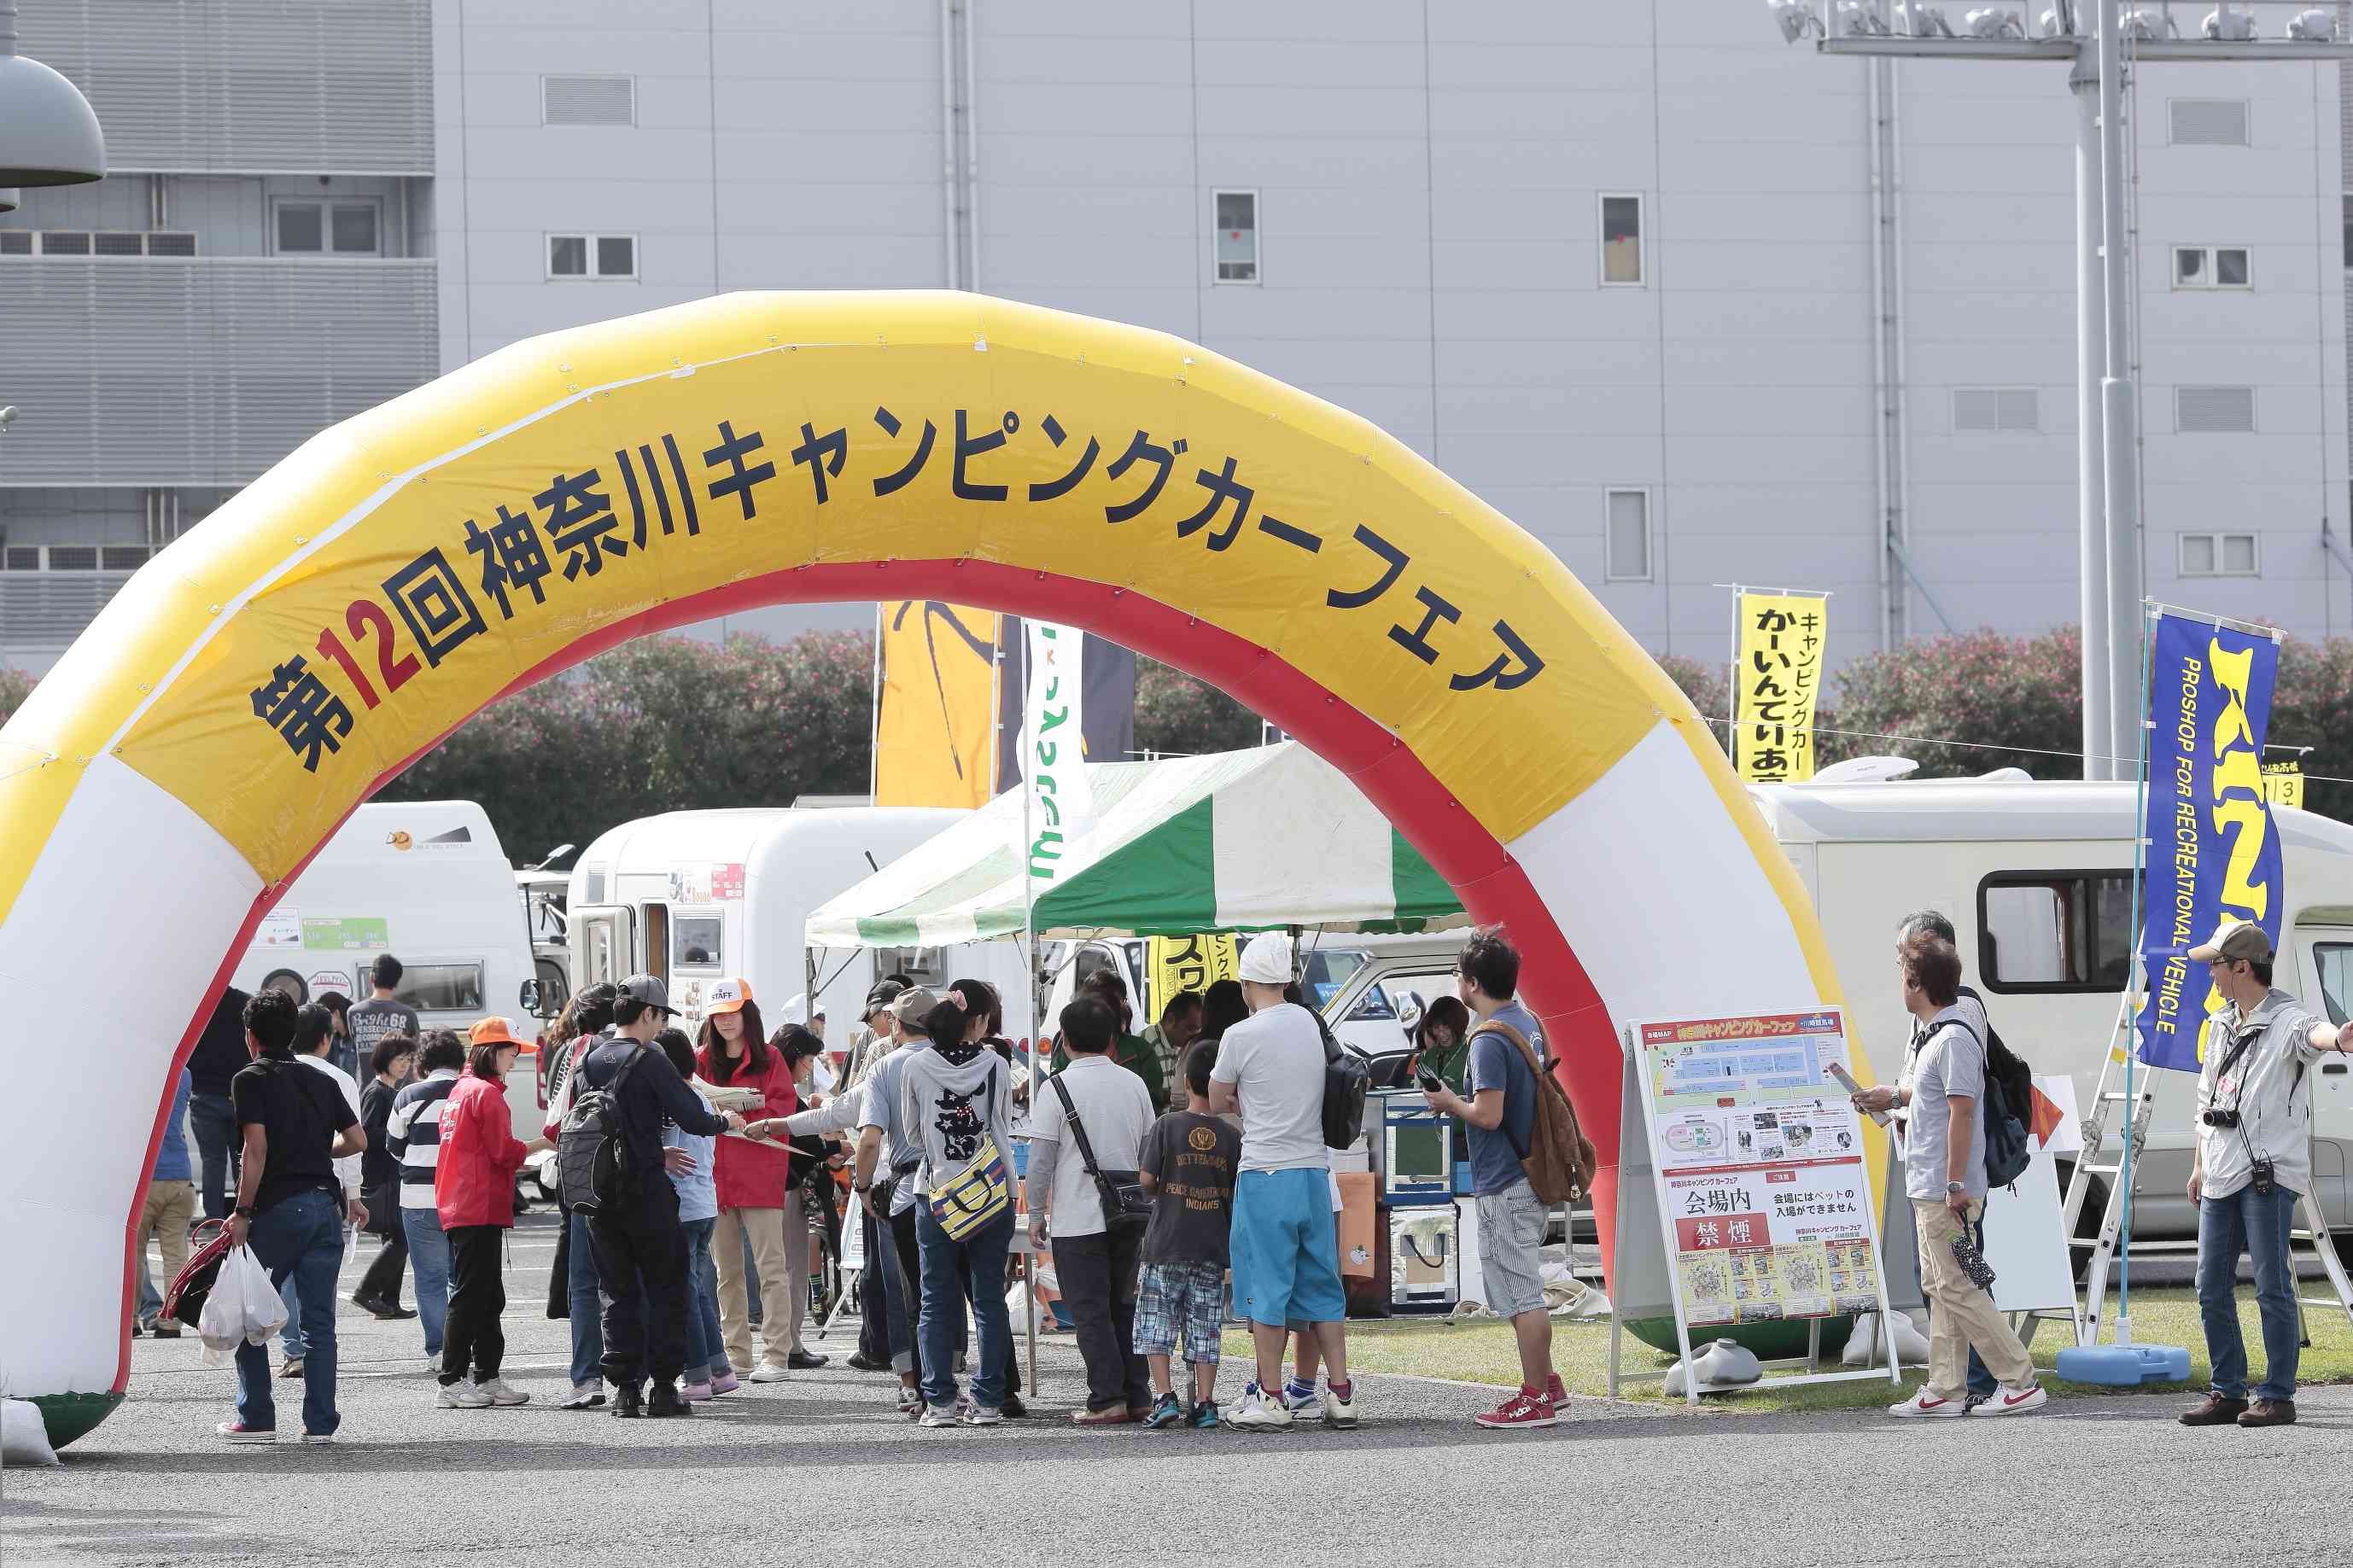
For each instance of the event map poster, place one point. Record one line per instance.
(1759, 1161)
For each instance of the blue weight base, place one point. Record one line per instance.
(2124, 1366)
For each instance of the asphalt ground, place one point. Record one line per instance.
(822, 1468)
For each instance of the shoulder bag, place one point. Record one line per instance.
(1126, 1207)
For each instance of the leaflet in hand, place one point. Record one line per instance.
(1846, 1081)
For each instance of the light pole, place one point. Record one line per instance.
(2107, 449)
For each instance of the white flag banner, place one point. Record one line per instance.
(1055, 774)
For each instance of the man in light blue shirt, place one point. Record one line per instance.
(883, 1142)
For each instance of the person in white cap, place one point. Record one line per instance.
(2254, 1161)
(1286, 1245)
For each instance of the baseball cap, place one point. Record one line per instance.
(2232, 941)
(1267, 960)
(883, 995)
(494, 1032)
(727, 996)
(645, 988)
(910, 1005)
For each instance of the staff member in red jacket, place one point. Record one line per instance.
(473, 1189)
(734, 1053)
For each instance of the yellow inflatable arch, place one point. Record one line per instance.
(270, 670)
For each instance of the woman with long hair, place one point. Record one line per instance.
(809, 1216)
(689, 1157)
(572, 1278)
(473, 1193)
(1442, 1041)
(379, 1288)
(753, 1172)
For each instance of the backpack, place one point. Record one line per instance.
(588, 1150)
(1560, 1160)
(1345, 1081)
(2009, 1109)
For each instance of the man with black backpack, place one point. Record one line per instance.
(610, 1154)
(1945, 1177)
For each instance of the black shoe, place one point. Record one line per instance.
(1013, 1409)
(165, 1331)
(805, 1361)
(377, 1307)
(859, 1362)
(628, 1403)
(136, 1330)
(664, 1401)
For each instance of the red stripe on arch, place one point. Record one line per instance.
(1402, 785)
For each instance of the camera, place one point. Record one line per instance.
(2219, 1117)
(2265, 1178)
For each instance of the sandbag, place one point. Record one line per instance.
(24, 1437)
(1725, 1365)
(1864, 1346)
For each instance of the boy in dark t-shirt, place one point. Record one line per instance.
(1190, 1158)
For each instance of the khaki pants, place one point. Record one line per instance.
(784, 1284)
(169, 1209)
(1962, 1316)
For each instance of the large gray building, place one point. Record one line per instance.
(1691, 307)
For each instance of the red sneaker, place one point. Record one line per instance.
(1521, 1409)
(1554, 1391)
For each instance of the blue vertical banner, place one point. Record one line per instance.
(2214, 851)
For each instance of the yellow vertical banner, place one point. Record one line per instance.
(1775, 681)
(2284, 783)
(935, 704)
(1174, 963)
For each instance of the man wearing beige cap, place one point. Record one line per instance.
(2254, 1161)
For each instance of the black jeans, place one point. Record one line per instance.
(473, 1336)
(873, 1318)
(1098, 1278)
(641, 1261)
(382, 1280)
(910, 1274)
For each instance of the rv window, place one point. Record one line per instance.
(657, 919)
(2054, 931)
(442, 987)
(697, 942)
(2335, 961)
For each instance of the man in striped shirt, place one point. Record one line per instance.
(414, 1133)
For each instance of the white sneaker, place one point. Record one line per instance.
(463, 1396)
(1925, 1404)
(1257, 1413)
(983, 1415)
(768, 1371)
(1307, 1406)
(501, 1394)
(1339, 1413)
(2012, 1401)
(939, 1415)
(585, 1397)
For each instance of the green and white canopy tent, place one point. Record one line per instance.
(1272, 837)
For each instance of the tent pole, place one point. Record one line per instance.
(1030, 967)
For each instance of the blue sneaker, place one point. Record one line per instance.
(1165, 1412)
(1203, 1416)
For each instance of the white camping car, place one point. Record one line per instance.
(697, 896)
(2037, 879)
(428, 882)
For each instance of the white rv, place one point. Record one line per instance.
(428, 882)
(696, 896)
(2037, 879)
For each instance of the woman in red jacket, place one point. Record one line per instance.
(734, 1054)
(473, 1189)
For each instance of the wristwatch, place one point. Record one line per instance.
(245, 1211)
(1955, 1187)
(862, 1186)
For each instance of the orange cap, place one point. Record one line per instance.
(493, 1031)
(727, 996)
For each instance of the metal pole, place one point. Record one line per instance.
(1030, 967)
(2118, 423)
(2091, 491)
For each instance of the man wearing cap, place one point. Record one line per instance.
(1285, 1244)
(641, 1253)
(887, 1154)
(871, 1040)
(2254, 1161)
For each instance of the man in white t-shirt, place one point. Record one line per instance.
(1286, 1245)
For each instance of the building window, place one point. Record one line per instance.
(1997, 410)
(1236, 246)
(2209, 121)
(73, 558)
(593, 256)
(83, 242)
(307, 227)
(1628, 544)
(2211, 267)
(2349, 231)
(2219, 556)
(21, 558)
(589, 100)
(2215, 410)
(1621, 241)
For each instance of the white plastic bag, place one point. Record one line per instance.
(244, 1305)
(24, 1437)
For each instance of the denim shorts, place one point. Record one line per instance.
(1511, 1231)
(1286, 1247)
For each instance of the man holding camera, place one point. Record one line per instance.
(2254, 1161)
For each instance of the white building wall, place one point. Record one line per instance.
(1428, 179)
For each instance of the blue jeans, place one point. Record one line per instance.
(429, 1259)
(301, 1239)
(946, 1265)
(214, 1122)
(2259, 1225)
(1982, 1385)
(705, 1348)
(292, 1338)
(582, 1304)
(704, 1279)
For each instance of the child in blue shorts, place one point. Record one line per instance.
(1189, 1157)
